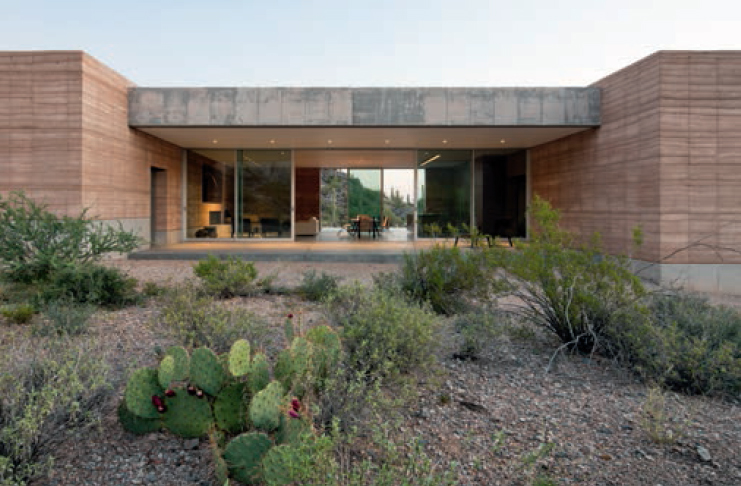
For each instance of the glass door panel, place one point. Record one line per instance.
(444, 191)
(264, 193)
(334, 198)
(364, 192)
(398, 197)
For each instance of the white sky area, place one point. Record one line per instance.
(369, 43)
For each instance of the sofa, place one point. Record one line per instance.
(308, 227)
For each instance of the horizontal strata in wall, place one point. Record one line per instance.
(364, 106)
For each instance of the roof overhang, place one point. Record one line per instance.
(363, 118)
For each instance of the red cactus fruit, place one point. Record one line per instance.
(169, 392)
(191, 390)
(157, 401)
(293, 414)
(199, 393)
(296, 404)
(290, 316)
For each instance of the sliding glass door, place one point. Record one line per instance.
(443, 191)
(264, 193)
(364, 192)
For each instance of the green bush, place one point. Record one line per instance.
(18, 313)
(46, 389)
(442, 276)
(194, 319)
(316, 287)
(34, 242)
(64, 318)
(151, 290)
(227, 278)
(89, 284)
(573, 290)
(383, 333)
(687, 345)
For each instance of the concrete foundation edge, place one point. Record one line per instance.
(711, 278)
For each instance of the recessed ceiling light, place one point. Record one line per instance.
(329, 142)
(272, 142)
(502, 141)
(445, 141)
(216, 141)
(386, 141)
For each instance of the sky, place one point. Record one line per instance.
(369, 43)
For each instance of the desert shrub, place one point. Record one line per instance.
(46, 390)
(34, 242)
(89, 284)
(194, 319)
(18, 313)
(479, 330)
(384, 333)
(316, 287)
(64, 318)
(152, 290)
(398, 459)
(441, 276)
(573, 290)
(227, 278)
(687, 345)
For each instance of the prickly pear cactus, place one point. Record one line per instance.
(239, 358)
(230, 408)
(291, 429)
(182, 362)
(166, 371)
(265, 407)
(142, 385)
(135, 424)
(302, 352)
(283, 369)
(244, 454)
(288, 328)
(259, 374)
(187, 415)
(206, 372)
(276, 465)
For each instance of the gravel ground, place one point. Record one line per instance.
(484, 415)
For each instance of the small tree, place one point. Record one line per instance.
(34, 241)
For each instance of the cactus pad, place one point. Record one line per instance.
(239, 358)
(259, 375)
(276, 465)
(244, 454)
(182, 362)
(291, 430)
(206, 372)
(284, 369)
(135, 424)
(230, 408)
(166, 371)
(265, 409)
(288, 330)
(142, 385)
(188, 416)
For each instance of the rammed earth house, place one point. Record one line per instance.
(656, 144)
